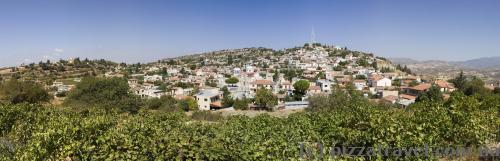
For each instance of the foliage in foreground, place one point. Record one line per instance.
(32, 132)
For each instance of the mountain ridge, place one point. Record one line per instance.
(477, 63)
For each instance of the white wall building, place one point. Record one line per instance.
(153, 78)
(209, 99)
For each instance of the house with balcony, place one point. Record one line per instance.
(209, 99)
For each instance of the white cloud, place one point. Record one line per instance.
(58, 50)
(47, 57)
(28, 61)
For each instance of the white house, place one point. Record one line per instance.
(359, 84)
(379, 81)
(149, 92)
(209, 99)
(153, 78)
(268, 84)
(236, 71)
(325, 85)
(384, 82)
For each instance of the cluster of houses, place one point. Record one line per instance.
(202, 77)
(322, 66)
(252, 75)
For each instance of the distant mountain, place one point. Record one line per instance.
(403, 61)
(488, 67)
(480, 63)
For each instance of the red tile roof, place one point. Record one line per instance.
(442, 84)
(409, 97)
(422, 87)
(263, 82)
(376, 77)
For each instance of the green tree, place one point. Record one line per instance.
(192, 66)
(184, 85)
(163, 72)
(361, 77)
(275, 75)
(386, 70)
(362, 62)
(290, 73)
(241, 104)
(112, 93)
(188, 104)
(232, 80)
(301, 87)
(318, 101)
(338, 68)
(432, 94)
(375, 65)
(475, 86)
(413, 83)
(164, 103)
(229, 60)
(496, 90)
(60, 68)
(321, 75)
(338, 100)
(460, 81)
(15, 91)
(210, 83)
(265, 99)
(227, 101)
(396, 82)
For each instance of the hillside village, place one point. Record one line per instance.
(220, 79)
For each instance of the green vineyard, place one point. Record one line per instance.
(34, 132)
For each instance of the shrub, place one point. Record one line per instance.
(164, 103)
(188, 104)
(15, 92)
(110, 93)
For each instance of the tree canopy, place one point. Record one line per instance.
(109, 93)
(164, 103)
(232, 80)
(496, 90)
(301, 87)
(460, 81)
(475, 86)
(265, 99)
(16, 91)
(433, 94)
(188, 104)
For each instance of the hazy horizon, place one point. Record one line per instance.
(146, 31)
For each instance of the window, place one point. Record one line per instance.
(206, 100)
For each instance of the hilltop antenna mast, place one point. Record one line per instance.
(313, 36)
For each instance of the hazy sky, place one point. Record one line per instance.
(146, 30)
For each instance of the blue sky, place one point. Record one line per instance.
(147, 30)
